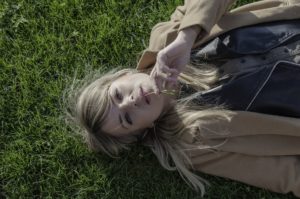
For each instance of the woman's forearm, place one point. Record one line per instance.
(189, 35)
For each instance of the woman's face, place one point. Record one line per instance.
(132, 110)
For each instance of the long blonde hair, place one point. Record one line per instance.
(87, 105)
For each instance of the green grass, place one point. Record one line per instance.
(42, 44)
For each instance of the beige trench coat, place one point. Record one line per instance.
(261, 150)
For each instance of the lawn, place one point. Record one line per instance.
(44, 44)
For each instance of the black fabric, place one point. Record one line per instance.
(272, 90)
(249, 40)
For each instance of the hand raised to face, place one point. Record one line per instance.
(171, 60)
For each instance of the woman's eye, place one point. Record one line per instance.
(128, 119)
(118, 95)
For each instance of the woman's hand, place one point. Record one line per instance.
(171, 60)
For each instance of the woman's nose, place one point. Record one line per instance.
(129, 102)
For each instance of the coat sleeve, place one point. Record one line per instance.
(204, 13)
(254, 148)
(276, 173)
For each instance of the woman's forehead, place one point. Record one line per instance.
(130, 75)
(120, 80)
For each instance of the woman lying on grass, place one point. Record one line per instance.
(233, 112)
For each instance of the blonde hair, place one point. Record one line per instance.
(87, 106)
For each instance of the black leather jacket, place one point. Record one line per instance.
(271, 89)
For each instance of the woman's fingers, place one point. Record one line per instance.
(164, 76)
(163, 81)
(165, 71)
(169, 71)
(158, 82)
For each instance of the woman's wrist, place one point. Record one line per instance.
(189, 34)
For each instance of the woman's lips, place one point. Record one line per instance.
(147, 99)
(144, 95)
